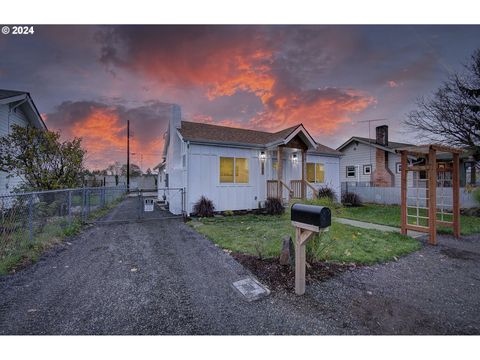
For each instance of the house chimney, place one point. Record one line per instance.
(382, 135)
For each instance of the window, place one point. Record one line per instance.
(233, 170)
(351, 171)
(367, 169)
(315, 173)
(226, 169)
(241, 170)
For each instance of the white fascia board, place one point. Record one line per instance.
(13, 99)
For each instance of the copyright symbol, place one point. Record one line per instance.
(5, 30)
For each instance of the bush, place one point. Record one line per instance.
(351, 199)
(228, 213)
(326, 192)
(204, 207)
(274, 206)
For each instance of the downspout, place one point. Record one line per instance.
(10, 111)
(187, 192)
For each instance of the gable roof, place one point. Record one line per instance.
(26, 103)
(5, 94)
(392, 145)
(208, 133)
(193, 131)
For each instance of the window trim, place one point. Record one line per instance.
(367, 166)
(234, 182)
(354, 171)
(315, 172)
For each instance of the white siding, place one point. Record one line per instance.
(332, 176)
(174, 167)
(357, 155)
(360, 155)
(204, 178)
(18, 117)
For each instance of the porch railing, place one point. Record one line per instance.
(297, 188)
(315, 191)
(275, 189)
(272, 189)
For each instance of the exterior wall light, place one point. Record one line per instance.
(294, 158)
(262, 155)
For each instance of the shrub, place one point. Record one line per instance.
(274, 206)
(204, 207)
(228, 213)
(351, 199)
(326, 192)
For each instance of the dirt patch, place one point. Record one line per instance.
(280, 277)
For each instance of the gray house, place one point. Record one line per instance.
(16, 107)
(371, 162)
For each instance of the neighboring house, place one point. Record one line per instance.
(371, 162)
(16, 107)
(376, 162)
(238, 168)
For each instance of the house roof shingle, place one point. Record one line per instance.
(391, 144)
(193, 131)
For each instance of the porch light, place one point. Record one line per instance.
(262, 155)
(294, 157)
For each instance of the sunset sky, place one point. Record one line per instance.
(88, 80)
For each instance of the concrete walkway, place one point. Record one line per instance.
(367, 225)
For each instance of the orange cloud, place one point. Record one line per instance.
(103, 132)
(321, 111)
(392, 84)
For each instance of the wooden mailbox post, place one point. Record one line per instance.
(307, 220)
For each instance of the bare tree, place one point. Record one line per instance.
(452, 114)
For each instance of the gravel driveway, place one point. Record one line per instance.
(154, 277)
(161, 277)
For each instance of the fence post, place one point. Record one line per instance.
(140, 204)
(83, 203)
(88, 203)
(30, 216)
(69, 207)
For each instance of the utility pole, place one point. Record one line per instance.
(128, 155)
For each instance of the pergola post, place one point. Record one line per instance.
(456, 194)
(304, 160)
(403, 185)
(279, 172)
(432, 196)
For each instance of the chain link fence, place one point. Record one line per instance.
(29, 220)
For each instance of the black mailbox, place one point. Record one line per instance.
(320, 216)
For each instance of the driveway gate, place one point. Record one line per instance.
(146, 204)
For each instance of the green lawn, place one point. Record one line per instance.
(261, 235)
(390, 215)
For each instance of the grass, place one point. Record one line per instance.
(17, 248)
(261, 235)
(390, 215)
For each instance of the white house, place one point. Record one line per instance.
(16, 107)
(371, 162)
(238, 168)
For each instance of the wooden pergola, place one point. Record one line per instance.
(432, 169)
